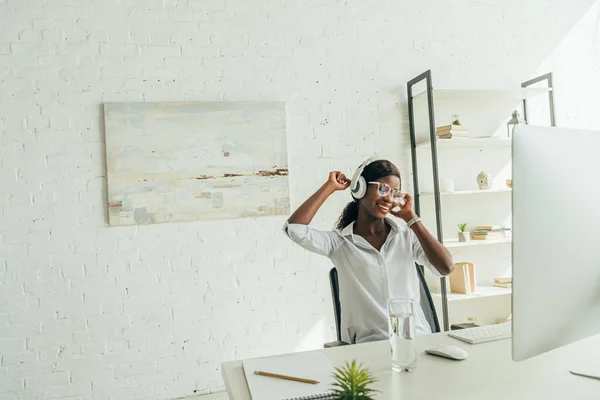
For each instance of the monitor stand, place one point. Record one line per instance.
(588, 368)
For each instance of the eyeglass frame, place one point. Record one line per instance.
(397, 198)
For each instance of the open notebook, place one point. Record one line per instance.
(311, 365)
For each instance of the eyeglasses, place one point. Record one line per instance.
(383, 189)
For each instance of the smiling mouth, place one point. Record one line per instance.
(383, 208)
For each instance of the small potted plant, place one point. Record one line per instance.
(352, 382)
(455, 119)
(463, 235)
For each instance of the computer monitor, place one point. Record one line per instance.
(556, 238)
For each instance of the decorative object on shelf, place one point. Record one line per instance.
(455, 119)
(514, 121)
(490, 232)
(462, 280)
(503, 282)
(353, 382)
(450, 131)
(509, 183)
(479, 235)
(447, 185)
(469, 324)
(463, 235)
(508, 319)
(483, 180)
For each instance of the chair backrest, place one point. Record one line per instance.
(426, 301)
(335, 296)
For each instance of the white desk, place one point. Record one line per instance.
(488, 373)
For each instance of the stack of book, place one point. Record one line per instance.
(450, 131)
(489, 232)
(505, 282)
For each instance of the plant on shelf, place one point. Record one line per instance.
(352, 382)
(455, 120)
(463, 235)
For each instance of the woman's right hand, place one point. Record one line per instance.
(338, 181)
(307, 210)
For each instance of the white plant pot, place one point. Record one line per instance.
(463, 236)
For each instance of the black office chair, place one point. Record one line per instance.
(337, 309)
(426, 304)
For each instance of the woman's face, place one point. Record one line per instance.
(374, 203)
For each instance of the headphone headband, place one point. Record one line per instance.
(358, 184)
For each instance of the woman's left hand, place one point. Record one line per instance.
(405, 211)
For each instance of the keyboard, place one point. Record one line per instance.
(482, 334)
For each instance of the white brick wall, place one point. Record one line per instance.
(88, 311)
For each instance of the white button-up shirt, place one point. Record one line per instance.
(367, 277)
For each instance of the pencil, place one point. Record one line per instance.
(289, 378)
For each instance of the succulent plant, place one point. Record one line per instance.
(352, 382)
(455, 119)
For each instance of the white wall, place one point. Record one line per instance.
(576, 67)
(89, 311)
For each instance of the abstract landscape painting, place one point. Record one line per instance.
(195, 161)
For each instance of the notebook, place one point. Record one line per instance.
(311, 365)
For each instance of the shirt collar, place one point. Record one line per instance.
(349, 230)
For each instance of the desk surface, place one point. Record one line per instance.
(488, 373)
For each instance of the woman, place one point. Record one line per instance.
(374, 257)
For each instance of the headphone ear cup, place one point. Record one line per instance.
(359, 189)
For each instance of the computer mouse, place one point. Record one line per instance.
(448, 351)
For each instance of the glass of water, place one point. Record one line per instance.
(401, 323)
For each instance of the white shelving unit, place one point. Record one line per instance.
(484, 112)
(482, 291)
(453, 243)
(468, 192)
(458, 143)
(488, 303)
(454, 95)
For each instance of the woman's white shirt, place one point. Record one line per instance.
(367, 277)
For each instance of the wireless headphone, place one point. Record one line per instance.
(358, 185)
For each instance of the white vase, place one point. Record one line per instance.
(484, 180)
(463, 236)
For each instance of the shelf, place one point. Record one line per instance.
(482, 291)
(483, 112)
(468, 192)
(451, 243)
(454, 95)
(466, 143)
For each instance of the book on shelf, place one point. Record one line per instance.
(488, 235)
(451, 127)
(495, 235)
(503, 279)
(503, 285)
(491, 228)
(479, 235)
(485, 235)
(462, 279)
(449, 131)
(451, 134)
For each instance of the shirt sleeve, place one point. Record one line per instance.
(419, 255)
(317, 241)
